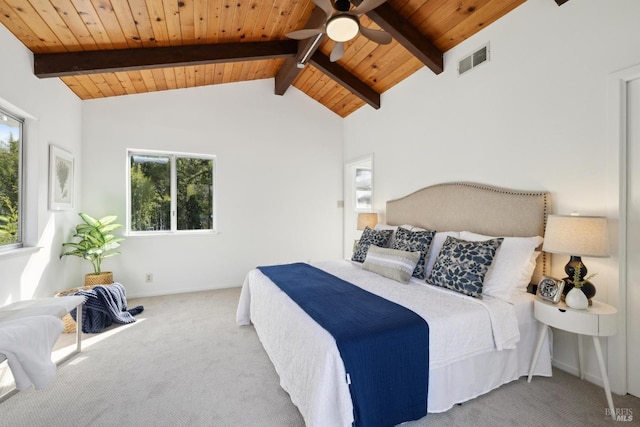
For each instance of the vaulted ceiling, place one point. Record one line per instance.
(102, 48)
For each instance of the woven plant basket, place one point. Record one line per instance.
(104, 278)
(90, 282)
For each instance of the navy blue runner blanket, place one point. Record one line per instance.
(104, 305)
(384, 346)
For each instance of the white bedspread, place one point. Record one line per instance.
(27, 344)
(306, 356)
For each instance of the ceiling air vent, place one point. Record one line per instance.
(471, 61)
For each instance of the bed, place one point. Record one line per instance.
(475, 344)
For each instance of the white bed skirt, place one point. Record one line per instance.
(315, 384)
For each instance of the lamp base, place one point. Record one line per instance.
(570, 269)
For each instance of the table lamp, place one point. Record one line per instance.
(577, 236)
(367, 219)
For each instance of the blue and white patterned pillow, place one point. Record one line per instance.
(370, 237)
(462, 265)
(415, 241)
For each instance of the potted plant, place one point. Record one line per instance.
(96, 243)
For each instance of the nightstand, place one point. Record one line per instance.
(599, 320)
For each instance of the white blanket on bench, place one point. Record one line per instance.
(27, 344)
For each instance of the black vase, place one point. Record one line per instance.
(587, 287)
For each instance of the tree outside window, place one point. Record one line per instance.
(170, 192)
(10, 180)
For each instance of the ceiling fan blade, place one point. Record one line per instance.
(304, 33)
(366, 6)
(337, 52)
(326, 6)
(377, 36)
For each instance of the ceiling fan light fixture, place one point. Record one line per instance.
(342, 28)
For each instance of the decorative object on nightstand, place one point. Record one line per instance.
(598, 320)
(577, 236)
(550, 289)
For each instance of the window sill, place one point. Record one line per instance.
(28, 250)
(173, 234)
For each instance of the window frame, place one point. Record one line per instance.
(173, 156)
(6, 248)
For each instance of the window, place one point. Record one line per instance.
(10, 181)
(170, 192)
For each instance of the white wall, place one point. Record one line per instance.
(279, 177)
(53, 116)
(533, 118)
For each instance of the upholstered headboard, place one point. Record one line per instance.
(462, 206)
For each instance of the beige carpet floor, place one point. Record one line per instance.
(186, 363)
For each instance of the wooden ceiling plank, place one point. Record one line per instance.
(475, 22)
(346, 79)
(76, 87)
(14, 23)
(187, 21)
(181, 77)
(92, 21)
(227, 72)
(37, 25)
(102, 85)
(251, 13)
(201, 74)
(135, 79)
(73, 20)
(191, 76)
(125, 17)
(159, 78)
(57, 25)
(90, 86)
(208, 74)
(201, 18)
(110, 22)
(172, 20)
(60, 64)
(157, 21)
(170, 78)
(118, 84)
(218, 74)
(213, 14)
(408, 8)
(142, 21)
(295, 16)
(447, 16)
(148, 80)
(225, 32)
(407, 35)
(405, 70)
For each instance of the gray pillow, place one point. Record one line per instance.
(391, 263)
(462, 265)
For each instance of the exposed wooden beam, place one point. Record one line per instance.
(407, 35)
(346, 79)
(91, 62)
(561, 2)
(306, 48)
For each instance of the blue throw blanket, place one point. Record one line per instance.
(103, 306)
(384, 346)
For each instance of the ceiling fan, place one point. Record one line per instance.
(343, 24)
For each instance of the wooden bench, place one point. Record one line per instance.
(55, 306)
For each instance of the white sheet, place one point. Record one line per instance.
(27, 344)
(311, 371)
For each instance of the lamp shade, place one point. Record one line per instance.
(577, 235)
(367, 219)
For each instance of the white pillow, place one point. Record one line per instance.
(511, 264)
(436, 245)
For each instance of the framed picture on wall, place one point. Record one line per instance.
(60, 179)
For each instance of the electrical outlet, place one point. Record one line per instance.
(148, 277)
